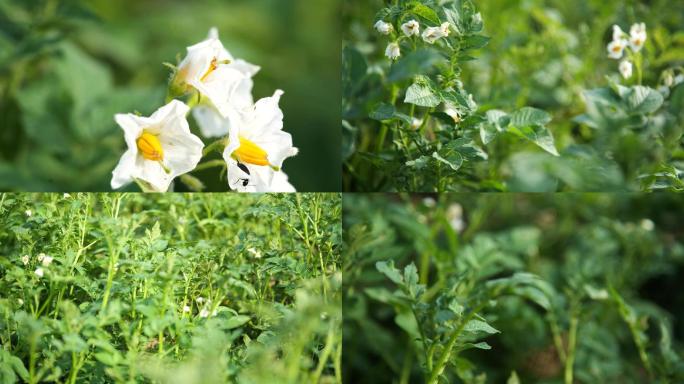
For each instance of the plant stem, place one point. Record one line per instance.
(572, 339)
(441, 363)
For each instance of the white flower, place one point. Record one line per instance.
(477, 18)
(392, 51)
(411, 28)
(200, 299)
(445, 28)
(618, 34)
(416, 123)
(454, 113)
(186, 309)
(228, 90)
(647, 225)
(160, 148)
(28, 213)
(47, 260)
(637, 36)
(454, 215)
(21, 302)
(204, 312)
(39, 272)
(431, 34)
(66, 195)
(41, 256)
(254, 252)
(25, 259)
(257, 148)
(616, 48)
(626, 69)
(678, 79)
(383, 27)
(429, 202)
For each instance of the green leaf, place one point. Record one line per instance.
(421, 94)
(236, 321)
(419, 163)
(382, 111)
(388, 269)
(476, 41)
(419, 62)
(537, 134)
(643, 100)
(513, 378)
(454, 160)
(425, 12)
(496, 122)
(529, 116)
(19, 367)
(479, 326)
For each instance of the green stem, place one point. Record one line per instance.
(210, 164)
(570, 357)
(216, 145)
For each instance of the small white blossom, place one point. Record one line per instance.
(429, 202)
(66, 195)
(21, 302)
(25, 259)
(254, 252)
(392, 51)
(616, 48)
(383, 27)
(416, 123)
(647, 225)
(477, 18)
(678, 79)
(160, 148)
(204, 312)
(626, 69)
(445, 29)
(431, 34)
(39, 272)
(454, 215)
(28, 213)
(186, 309)
(411, 28)
(637, 36)
(618, 34)
(47, 260)
(41, 256)
(200, 299)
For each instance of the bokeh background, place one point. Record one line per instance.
(67, 66)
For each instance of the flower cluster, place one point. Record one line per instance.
(412, 28)
(628, 45)
(218, 88)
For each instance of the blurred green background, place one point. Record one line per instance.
(67, 66)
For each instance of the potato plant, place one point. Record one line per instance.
(514, 288)
(174, 288)
(508, 95)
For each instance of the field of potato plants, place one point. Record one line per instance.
(515, 288)
(173, 288)
(513, 95)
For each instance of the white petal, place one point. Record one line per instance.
(281, 184)
(266, 116)
(210, 121)
(123, 173)
(220, 86)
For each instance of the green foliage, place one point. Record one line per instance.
(524, 288)
(170, 288)
(599, 132)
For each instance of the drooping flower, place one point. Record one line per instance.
(204, 312)
(200, 299)
(257, 148)
(626, 69)
(618, 33)
(431, 34)
(160, 148)
(226, 84)
(383, 27)
(186, 309)
(28, 213)
(616, 48)
(411, 28)
(39, 272)
(25, 259)
(393, 51)
(47, 260)
(637, 36)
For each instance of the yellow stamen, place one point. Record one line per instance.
(249, 152)
(212, 67)
(150, 147)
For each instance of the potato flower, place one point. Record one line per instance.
(626, 69)
(227, 85)
(616, 48)
(257, 148)
(432, 34)
(160, 148)
(637, 36)
(393, 51)
(383, 27)
(411, 28)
